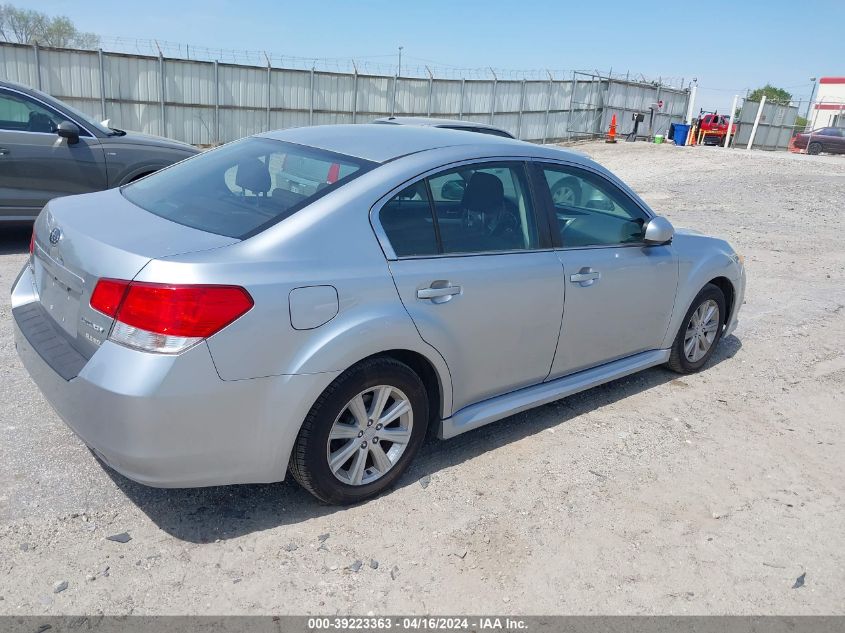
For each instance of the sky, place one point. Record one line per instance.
(734, 47)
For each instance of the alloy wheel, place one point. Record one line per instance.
(701, 330)
(370, 435)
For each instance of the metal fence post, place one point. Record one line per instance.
(162, 89)
(269, 87)
(493, 100)
(521, 105)
(548, 108)
(102, 84)
(216, 102)
(461, 104)
(757, 122)
(430, 88)
(37, 65)
(731, 122)
(311, 100)
(355, 96)
(690, 105)
(571, 102)
(626, 107)
(657, 113)
(395, 88)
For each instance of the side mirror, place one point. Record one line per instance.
(68, 130)
(658, 231)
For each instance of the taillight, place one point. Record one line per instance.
(167, 318)
(107, 295)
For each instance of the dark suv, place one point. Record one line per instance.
(49, 149)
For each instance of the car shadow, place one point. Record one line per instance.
(203, 515)
(14, 240)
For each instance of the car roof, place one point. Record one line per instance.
(32, 92)
(435, 122)
(382, 143)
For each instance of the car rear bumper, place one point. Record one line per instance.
(169, 420)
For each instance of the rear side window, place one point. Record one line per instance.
(244, 187)
(483, 208)
(408, 222)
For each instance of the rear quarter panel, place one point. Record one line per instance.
(330, 243)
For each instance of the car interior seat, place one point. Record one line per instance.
(253, 175)
(40, 122)
(484, 196)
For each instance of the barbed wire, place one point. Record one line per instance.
(412, 67)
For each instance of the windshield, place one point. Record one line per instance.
(242, 188)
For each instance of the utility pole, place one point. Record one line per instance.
(399, 74)
(810, 103)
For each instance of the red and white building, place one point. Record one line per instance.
(829, 105)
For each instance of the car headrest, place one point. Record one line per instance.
(253, 175)
(40, 122)
(484, 192)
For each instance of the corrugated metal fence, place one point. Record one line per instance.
(204, 103)
(776, 126)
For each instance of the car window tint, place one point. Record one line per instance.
(20, 114)
(484, 208)
(407, 221)
(243, 187)
(590, 210)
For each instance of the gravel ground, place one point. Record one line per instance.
(656, 494)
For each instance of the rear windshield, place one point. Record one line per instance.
(242, 188)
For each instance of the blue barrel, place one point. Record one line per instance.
(681, 131)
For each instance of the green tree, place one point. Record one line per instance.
(26, 26)
(771, 93)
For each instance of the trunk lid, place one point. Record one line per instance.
(80, 239)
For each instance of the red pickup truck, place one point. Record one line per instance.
(714, 127)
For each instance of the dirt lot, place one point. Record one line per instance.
(701, 494)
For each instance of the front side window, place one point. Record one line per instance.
(19, 114)
(242, 188)
(590, 210)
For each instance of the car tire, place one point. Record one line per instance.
(814, 149)
(335, 426)
(693, 345)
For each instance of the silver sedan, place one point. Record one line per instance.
(316, 299)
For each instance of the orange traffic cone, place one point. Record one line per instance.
(611, 133)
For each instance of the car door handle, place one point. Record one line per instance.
(4, 151)
(585, 277)
(440, 293)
